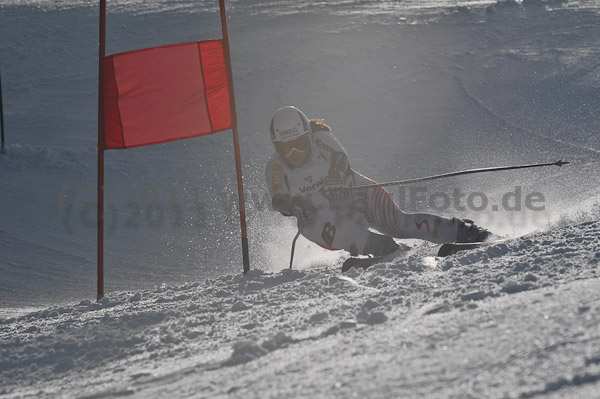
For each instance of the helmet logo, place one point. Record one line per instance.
(284, 134)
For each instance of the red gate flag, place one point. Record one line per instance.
(165, 93)
(162, 94)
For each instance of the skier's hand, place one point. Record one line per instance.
(333, 186)
(282, 203)
(303, 209)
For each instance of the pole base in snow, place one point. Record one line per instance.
(3, 149)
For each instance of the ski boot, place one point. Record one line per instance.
(470, 232)
(379, 248)
(380, 245)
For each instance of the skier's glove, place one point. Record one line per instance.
(334, 184)
(282, 203)
(303, 209)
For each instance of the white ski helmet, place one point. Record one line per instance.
(288, 123)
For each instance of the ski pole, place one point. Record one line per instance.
(294, 247)
(462, 172)
(2, 146)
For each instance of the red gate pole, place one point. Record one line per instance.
(101, 56)
(236, 142)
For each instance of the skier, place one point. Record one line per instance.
(306, 176)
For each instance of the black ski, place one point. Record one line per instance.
(450, 248)
(366, 261)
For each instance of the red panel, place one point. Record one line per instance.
(217, 87)
(161, 94)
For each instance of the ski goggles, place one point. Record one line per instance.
(287, 149)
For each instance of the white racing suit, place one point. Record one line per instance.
(339, 219)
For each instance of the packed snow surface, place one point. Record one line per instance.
(411, 88)
(518, 319)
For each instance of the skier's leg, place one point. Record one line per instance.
(376, 206)
(393, 221)
(336, 230)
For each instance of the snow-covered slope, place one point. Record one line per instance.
(518, 319)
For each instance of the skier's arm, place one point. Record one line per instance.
(339, 164)
(278, 189)
(339, 169)
(331, 148)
